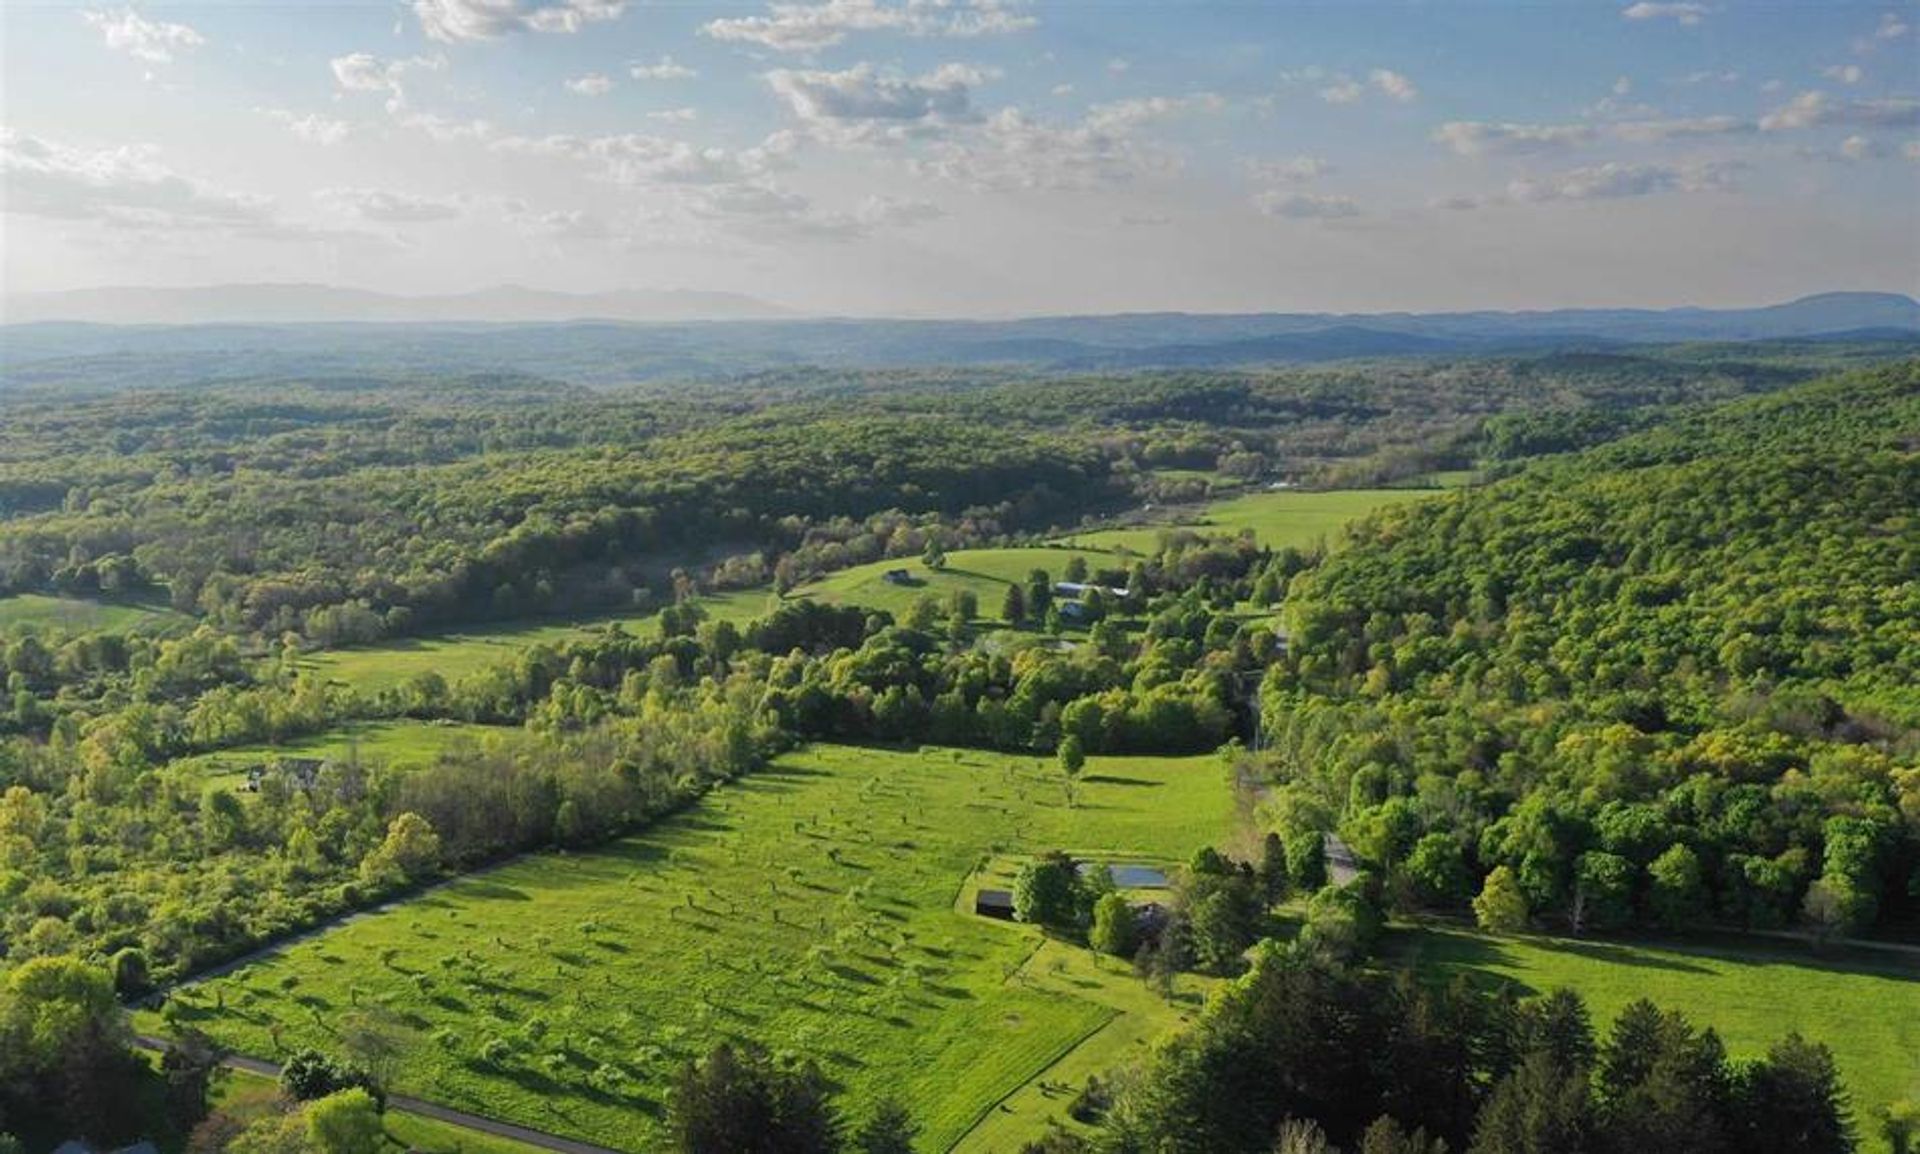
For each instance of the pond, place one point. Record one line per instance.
(1133, 877)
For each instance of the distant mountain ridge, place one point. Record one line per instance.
(613, 351)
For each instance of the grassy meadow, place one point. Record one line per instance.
(455, 655)
(811, 906)
(987, 572)
(1864, 1005)
(1277, 519)
(78, 614)
(402, 742)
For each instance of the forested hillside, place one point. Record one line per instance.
(1666, 679)
(348, 509)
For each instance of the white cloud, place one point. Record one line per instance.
(1911, 150)
(1122, 116)
(1292, 170)
(887, 211)
(1844, 73)
(1303, 206)
(676, 115)
(1857, 147)
(154, 42)
(799, 27)
(451, 21)
(863, 105)
(1394, 84)
(1708, 76)
(1476, 138)
(665, 68)
(127, 188)
(1479, 138)
(638, 159)
(1119, 66)
(1684, 13)
(1343, 91)
(591, 84)
(1892, 26)
(1814, 108)
(312, 127)
(365, 72)
(1063, 90)
(1340, 88)
(1622, 86)
(1009, 150)
(385, 207)
(1655, 131)
(1614, 181)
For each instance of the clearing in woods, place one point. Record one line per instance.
(1865, 1005)
(810, 907)
(455, 655)
(1277, 519)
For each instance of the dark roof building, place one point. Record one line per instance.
(994, 904)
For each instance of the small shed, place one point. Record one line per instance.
(994, 904)
(897, 577)
(1150, 920)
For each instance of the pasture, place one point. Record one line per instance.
(78, 614)
(811, 907)
(1277, 519)
(402, 742)
(455, 655)
(1864, 1005)
(987, 572)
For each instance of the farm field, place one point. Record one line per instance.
(401, 742)
(77, 613)
(1277, 519)
(987, 572)
(810, 906)
(455, 655)
(1865, 1007)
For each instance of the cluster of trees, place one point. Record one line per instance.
(1304, 1056)
(164, 876)
(1664, 682)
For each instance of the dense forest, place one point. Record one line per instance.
(1667, 679)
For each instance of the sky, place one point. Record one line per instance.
(972, 157)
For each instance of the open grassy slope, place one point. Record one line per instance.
(811, 907)
(987, 572)
(1277, 519)
(77, 614)
(400, 743)
(454, 655)
(1866, 1007)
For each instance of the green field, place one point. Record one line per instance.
(75, 614)
(1866, 1007)
(249, 1096)
(810, 906)
(1277, 519)
(987, 572)
(455, 655)
(397, 743)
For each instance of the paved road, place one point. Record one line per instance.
(425, 1109)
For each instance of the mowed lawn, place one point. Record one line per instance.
(987, 572)
(78, 614)
(397, 743)
(457, 654)
(810, 907)
(1300, 519)
(1865, 1006)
